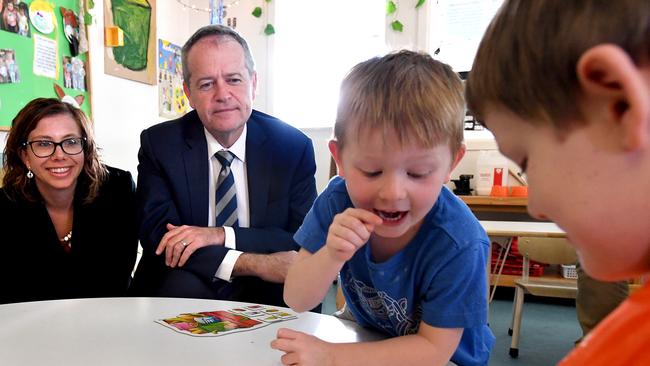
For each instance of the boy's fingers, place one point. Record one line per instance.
(360, 221)
(281, 344)
(290, 358)
(287, 333)
(348, 233)
(367, 217)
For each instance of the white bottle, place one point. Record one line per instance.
(491, 170)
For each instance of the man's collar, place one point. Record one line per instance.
(238, 148)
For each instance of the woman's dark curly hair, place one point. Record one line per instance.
(15, 182)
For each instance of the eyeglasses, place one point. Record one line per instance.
(46, 148)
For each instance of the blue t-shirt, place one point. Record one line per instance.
(438, 278)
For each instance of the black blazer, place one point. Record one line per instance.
(104, 246)
(173, 188)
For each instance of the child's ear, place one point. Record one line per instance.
(336, 155)
(456, 159)
(607, 73)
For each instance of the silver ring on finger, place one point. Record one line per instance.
(184, 243)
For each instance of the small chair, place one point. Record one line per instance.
(548, 251)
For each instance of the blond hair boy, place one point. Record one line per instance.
(565, 88)
(411, 255)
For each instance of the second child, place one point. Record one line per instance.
(411, 255)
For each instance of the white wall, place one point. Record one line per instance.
(123, 108)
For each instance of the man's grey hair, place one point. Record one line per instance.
(220, 31)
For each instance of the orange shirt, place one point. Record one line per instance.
(623, 338)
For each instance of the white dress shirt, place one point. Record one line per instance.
(238, 170)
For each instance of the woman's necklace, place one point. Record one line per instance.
(66, 241)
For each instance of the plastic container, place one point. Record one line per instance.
(491, 170)
(569, 271)
(499, 191)
(519, 191)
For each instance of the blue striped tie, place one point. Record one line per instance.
(226, 193)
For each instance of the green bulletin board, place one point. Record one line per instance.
(14, 96)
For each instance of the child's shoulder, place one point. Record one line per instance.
(452, 215)
(335, 196)
(335, 188)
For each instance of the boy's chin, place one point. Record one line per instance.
(391, 233)
(606, 271)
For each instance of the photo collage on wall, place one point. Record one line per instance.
(9, 71)
(74, 73)
(14, 17)
(43, 53)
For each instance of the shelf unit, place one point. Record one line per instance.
(518, 205)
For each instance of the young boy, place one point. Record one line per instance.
(565, 88)
(411, 255)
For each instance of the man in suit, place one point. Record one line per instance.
(199, 241)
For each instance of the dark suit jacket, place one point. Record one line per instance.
(173, 188)
(104, 246)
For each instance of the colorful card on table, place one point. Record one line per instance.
(220, 322)
(264, 313)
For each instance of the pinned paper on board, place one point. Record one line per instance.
(45, 56)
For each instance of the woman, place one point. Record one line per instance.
(68, 221)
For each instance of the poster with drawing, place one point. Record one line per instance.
(136, 59)
(172, 102)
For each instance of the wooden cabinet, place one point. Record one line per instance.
(496, 204)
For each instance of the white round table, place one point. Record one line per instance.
(122, 331)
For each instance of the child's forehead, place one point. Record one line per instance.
(387, 135)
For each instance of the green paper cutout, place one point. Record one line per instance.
(269, 30)
(390, 8)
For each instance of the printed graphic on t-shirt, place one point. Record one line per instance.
(388, 313)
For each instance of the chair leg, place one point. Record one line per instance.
(516, 321)
(514, 308)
